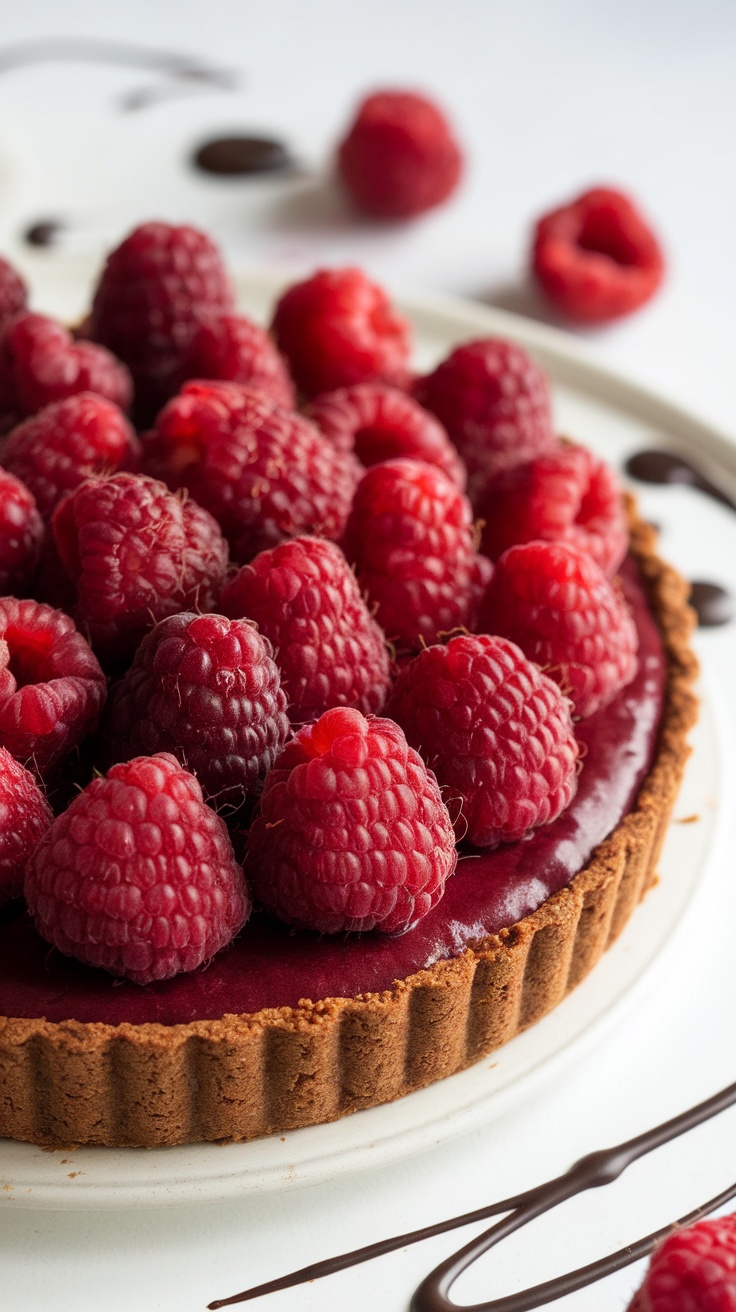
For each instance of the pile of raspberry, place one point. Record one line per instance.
(264, 591)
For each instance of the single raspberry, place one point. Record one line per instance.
(264, 474)
(338, 328)
(692, 1270)
(565, 496)
(136, 553)
(497, 733)
(305, 599)
(154, 290)
(352, 832)
(597, 257)
(51, 686)
(41, 363)
(494, 401)
(57, 449)
(138, 876)
(410, 537)
(21, 535)
(13, 292)
(379, 423)
(25, 815)
(558, 606)
(206, 689)
(400, 156)
(234, 349)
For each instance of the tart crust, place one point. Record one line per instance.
(241, 1077)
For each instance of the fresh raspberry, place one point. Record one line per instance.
(41, 363)
(338, 328)
(494, 401)
(51, 686)
(138, 876)
(352, 832)
(234, 349)
(57, 449)
(565, 496)
(25, 815)
(264, 474)
(557, 605)
(305, 599)
(597, 258)
(692, 1270)
(13, 292)
(136, 554)
(21, 535)
(206, 689)
(154, 290)
(400, 156)
(379, 423)
(497, 733)
(410, 537)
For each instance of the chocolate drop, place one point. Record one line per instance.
(712, 604)
(242, 156)
(44, 232)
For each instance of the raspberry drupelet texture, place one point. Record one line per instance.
(135, 553)
(692, 1270)
(597, 258)
(566, 496)
(305, 599)
(51, 686)
(264, 474)
(13, 293)
(400, 156)
(206, 689)
(64, 444)
(378, 423)
(25, 815)
(21, 535)
(559, 607)
(232, 348)
(138, 876)
(41, 363)
(352, 832)
(338, 328)
(496, 732)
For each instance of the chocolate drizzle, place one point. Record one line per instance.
(666, 467)
(242, 156)
(591, 1172)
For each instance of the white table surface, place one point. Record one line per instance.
(549, 96)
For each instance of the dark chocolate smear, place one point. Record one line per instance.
(712, 604)
(242, 156)
(45, 232)
(667, 467)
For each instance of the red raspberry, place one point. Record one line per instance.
(692, 1270)
(338, 328)
(557, 605)
(13, 293)
(138, 876)
(264, 474)
(565, 496)
(25, 815)
(410, 537)
(235, 349)
(494, 402)
(136, 554)
(352, 832)
(378, 423)
(205, 689)
(57, 449)
(597, 258)
(41, 363)
(400, 156)
(155, 288)
(305, 599)
(21, 535)
(497, 733)
(51, 687)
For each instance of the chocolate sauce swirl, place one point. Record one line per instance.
(667, 467)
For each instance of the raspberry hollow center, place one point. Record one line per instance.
(29, 656)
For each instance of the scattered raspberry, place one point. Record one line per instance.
(379, 423)
(234, 349)
(51, 687)
(410, 537)
(21, 535)
(565, 496)
(597, 258)
(494, 402)
(692, 1270)
(13, 293)
(264, 474)
(338, 328)
(205, 689)
(138, 876)
(136, 554)
(497, 733)
(557, 605)
(352, 832)
(400, 156)
(40, 363)
(25, 815)
(57, 449)
(305, 599)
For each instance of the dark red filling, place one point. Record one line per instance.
(268, 966)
